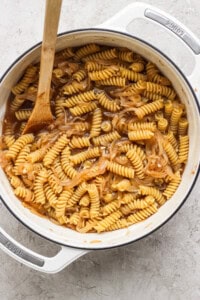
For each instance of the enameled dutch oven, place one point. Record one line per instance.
(114, 32)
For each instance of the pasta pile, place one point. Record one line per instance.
(116, 150)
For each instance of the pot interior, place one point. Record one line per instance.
(67, 236)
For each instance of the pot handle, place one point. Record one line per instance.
(36, 261)
(139, 10)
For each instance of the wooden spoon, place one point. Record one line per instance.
(41, 114)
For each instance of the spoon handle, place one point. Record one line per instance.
(52, 15)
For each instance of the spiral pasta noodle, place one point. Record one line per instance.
(108, 221)
(111, 207)
(82, 97)
(94, 200)
(151, 191)
(149, 108)
(161, 90)
(103, 74)
(84, 155)
(81, 110)
(140, 135)
(182, 126)
(38, 188)
(137, 67)
(137, 204)
(142, 126)
(86, 50)
(80, 191)
(131, 75)
(79, 75)
(174, 120)
(142, 214)
(151, 96)
(183, 148)
(107, 55)
(172, 187)
(120, 170)
(24, 193)
(96, 123)
(107, 103)
(23, 115)
(79, 142)
(115, 81)
(136, 162)
(50, 196)
(18, 145)
(28, 78)
(62, 202)
(16, 103)
(106, 138)
(153, 75)
(73, 88)
(55, 150)
(171, 153)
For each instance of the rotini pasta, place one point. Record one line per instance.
(142, 126)
(115, 81)
(80, 191)
(137, 135)
(103, 74)
(171, 153)
(82, 97)
(94, 200)
(162, 124)
(111, 207)
(120, 170)
(107, 103)
(83, 109)
(107, 55)
(160, 90)
(28, 78)
(62, 202)
(55, 150)
(151, 191)
(131, 75)
(172, 187)
(137, 204)
(79, 75)
(96, 123)
(174, 120)
(74, 87)
(136, 162)
(149, 108)
(137, 67)
(183, 148)
(117, 147)
(18, 145)
(86, 50)
(182, 126)
(108, 221)
(38, 188)
(23, 115)
(24, 194)
(142, 214)
(79, 142)
(106, 138)
(82, 156)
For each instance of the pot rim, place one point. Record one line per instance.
(197, 105)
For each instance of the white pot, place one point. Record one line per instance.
(113, 33)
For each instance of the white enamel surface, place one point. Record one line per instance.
(123, 20)
(97, 241)
(51, 265)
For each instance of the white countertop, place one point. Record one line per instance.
(164, 265)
